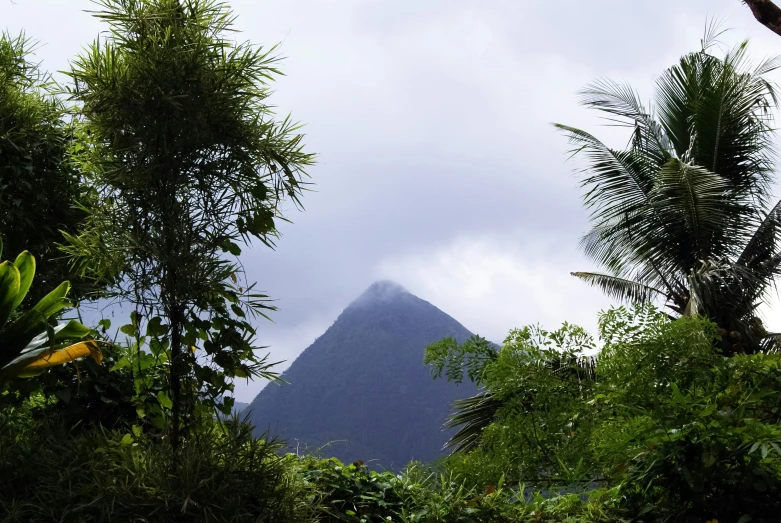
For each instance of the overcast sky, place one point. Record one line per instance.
(437, 164)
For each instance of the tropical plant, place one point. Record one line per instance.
(187, 162)
(681, 430)
(38, 186)
(29, 342)
(683, 213)
(48, 471)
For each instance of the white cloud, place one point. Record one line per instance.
(492, 284)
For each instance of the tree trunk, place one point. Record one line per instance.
(767, 13)
(177, 370)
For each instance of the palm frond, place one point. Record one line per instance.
(727, 107)
(763, 245)
(695, 210)
(623, 105)
(615, 181)
(473, 415)
(620, 288)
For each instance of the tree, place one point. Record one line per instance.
(187, 162)
(767, 13)
(38, 186)
(682, 214)
(675, 429)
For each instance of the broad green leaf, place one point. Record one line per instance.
(25, 263)
(165, 400)
(156, 327)
(122, 363)
(53, 302)
(72, 330)
(10, 281)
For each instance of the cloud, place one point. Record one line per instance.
(437, 166)
(495, 283)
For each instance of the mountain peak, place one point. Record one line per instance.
(362, 386)
(382, 290)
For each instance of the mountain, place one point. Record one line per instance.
(362, 386)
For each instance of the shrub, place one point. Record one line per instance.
(220, 474)
(660, 418)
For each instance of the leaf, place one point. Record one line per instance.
(619, 288)
(237, 310)
(53, 302)
(10, 281)
(677, 396)
(128, 329)
(165, 400)
(64, 395)
(127, 439)
(156, 327)
(234, 249)
(71, 330)
(122, 363)
(60, 356)
(25, 263)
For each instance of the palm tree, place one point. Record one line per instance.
(682, 213)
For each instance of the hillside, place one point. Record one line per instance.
(362, 385)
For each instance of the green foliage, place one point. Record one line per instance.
(38, 186)
(186, 162)
(682, 214)
(29, 342)
(355, 494)
(350, 493)
(457, 360)
(659, 415)
(223, 475)
(123, 393)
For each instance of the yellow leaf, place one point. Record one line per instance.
(68, 354)
(193, 348)
(233, 277)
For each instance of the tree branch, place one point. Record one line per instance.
(767, 13)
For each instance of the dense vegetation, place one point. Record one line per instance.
(148, 171)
